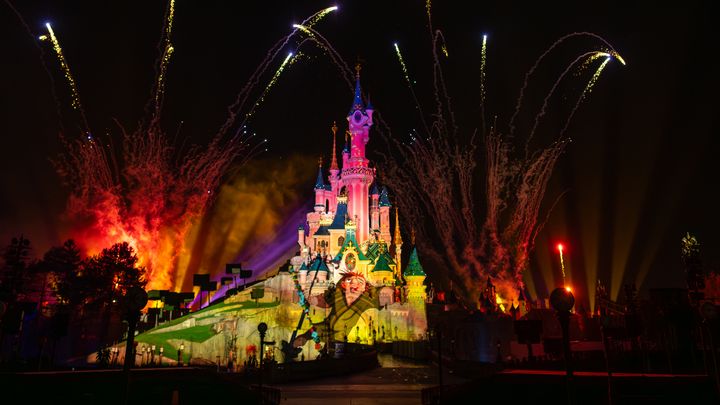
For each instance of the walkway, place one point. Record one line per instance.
(395, 382)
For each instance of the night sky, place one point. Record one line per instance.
(639, 174)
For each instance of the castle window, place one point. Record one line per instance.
(341, 240)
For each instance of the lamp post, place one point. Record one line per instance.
(180, 354)
(562, 300)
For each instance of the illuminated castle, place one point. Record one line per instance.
(349, 227)
(345, 285)
(348, 231)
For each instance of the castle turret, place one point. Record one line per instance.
(415, 290)
(385, 215)
(320, 190)
(356, 175)
(301, 236)
(374, 208)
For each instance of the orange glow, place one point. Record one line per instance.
(560, 247)
(568, 289)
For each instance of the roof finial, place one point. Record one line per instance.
(333, 164)
(358, 67)
(320, 161)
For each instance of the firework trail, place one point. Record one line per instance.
(270, 84)
(587, 91)
(410, 87)
(529, 73)
(587, 57)
(402, 64)
(483, 67)
(492, 239)
(562, 263)
(165, 51)
(42, 60)
(242, 97)
(74, 94)
(346, 73)
(153, 194)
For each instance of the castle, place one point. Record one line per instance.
(346, 284)
(349, 232)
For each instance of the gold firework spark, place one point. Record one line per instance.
(483, 61)
(66, 69)
(595, 77)
(402, 64)
(319, 16)
(270, 84)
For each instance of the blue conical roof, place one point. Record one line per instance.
(319, 183)
(384, 199)
(357, 101)
(374, 189)
(322, 231)
(414, 268)
(339, 220)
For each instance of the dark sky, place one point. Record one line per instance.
(640, 173)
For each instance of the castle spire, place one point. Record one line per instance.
(397, 237)
(320, 183)
(357, 102)
(333, 164)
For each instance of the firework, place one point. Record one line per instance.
(270, 84)
(74, 94)
(402, 64)
(153, 195)
(542, 57)
(483, 64)
(329, 50)
(560, 248)
(474, 241)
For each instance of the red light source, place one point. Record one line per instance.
(560, 247)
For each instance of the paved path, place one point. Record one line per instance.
(395, 382)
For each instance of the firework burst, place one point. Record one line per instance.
(491, 239)
(149, 192)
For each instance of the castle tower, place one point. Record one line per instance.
(301, 237)
(385, 215)
(415, 290)
(334, 174)
(356, 175)
(374, 208)
(320, 190)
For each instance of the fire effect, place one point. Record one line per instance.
(149, 192)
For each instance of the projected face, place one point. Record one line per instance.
(354, 286)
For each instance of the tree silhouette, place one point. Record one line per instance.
(110, 274)
(64, 265)
(16, 258)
